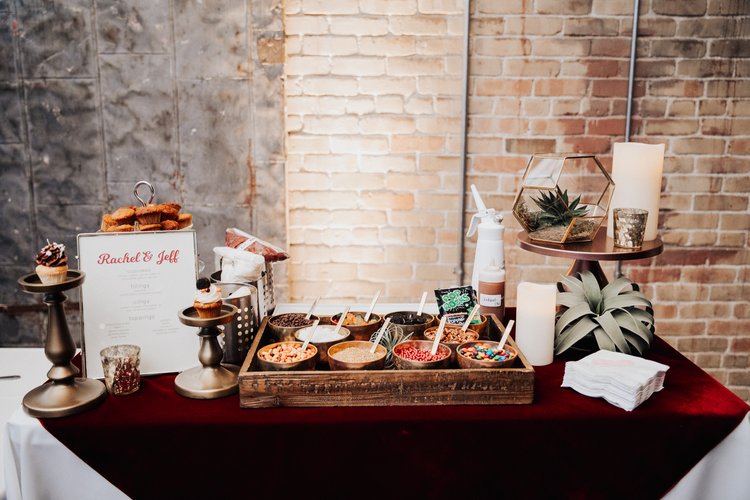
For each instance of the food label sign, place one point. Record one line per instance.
(135, 285)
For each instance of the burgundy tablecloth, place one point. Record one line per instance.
(156, 444)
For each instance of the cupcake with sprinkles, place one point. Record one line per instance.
(52, 263)
(207, 299)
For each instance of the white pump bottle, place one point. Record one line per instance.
(490, 246)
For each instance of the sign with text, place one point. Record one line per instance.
(135, 285)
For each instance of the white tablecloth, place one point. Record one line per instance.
(38, 466)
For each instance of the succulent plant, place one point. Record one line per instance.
(557, 210)
(393, 336)
(617, 318)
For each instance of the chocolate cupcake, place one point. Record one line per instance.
(52, 263)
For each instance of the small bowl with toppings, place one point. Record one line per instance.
(411, 322)
(416, 355)
(452, 337)
(287, 356)
(356, 355)
(485, 354)
(284, 326)
(325, 337)
(355, 322)
(479, 325)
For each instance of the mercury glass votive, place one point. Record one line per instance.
(122, 368)
(629, 226)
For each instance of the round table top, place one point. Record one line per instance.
(601, 248)
(33, 284)
(189, 316)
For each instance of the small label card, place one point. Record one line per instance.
(135, 285)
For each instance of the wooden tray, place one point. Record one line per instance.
(259, 389)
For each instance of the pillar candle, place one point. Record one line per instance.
(636, 171)
(535, 320)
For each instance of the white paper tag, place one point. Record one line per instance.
(490, 300)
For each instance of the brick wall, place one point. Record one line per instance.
(373, 136)
(373, 122)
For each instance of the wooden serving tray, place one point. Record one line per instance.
(454, 386)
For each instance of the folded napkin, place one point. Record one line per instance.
(621, 379)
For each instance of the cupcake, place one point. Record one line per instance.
(169, 225)
(207, 299)
(124, 215)
(173, 204)
(107, 222)
(125, 228)
(185, 220)
(168, 212)
(150, 214)
(52, 263)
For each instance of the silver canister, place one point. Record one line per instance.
(240, 332)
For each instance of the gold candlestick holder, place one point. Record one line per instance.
(211, 380)
(64, 394)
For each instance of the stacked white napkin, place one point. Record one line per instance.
(621, 379)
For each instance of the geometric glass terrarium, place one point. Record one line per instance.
(563, 198)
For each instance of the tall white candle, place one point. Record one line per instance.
(535, 320)
(637, 171)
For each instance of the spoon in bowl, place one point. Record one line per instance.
(315, 302)
(310, 337)
(438, 335)
(380, 335)
(471, 316)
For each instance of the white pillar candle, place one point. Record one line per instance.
(637, 171)
(535, 320)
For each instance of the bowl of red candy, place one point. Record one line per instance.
(485, 354)
(416, 355)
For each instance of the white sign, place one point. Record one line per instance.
(135, 285)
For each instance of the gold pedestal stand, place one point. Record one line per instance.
(587, 254)
(64, 394)
(211, 380)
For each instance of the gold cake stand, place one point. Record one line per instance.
(64, 394)
(211, 380)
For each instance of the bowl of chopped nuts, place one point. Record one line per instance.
(416, 355)
(356, 355)
(287, 356)
(453, 335)
(284, 326)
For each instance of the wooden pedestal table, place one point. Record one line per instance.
(587, 254)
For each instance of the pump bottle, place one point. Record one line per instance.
(487, 223)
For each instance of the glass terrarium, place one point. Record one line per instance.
(563, 198)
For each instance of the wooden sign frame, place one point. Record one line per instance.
(135, 285)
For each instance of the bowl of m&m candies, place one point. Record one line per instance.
(485, 354)
(417, 355)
